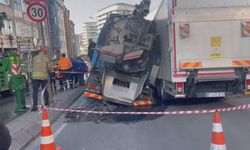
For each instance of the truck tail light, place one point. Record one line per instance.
(180, 87)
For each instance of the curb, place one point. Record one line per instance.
(25, 136)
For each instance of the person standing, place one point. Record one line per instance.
(52, 77)
(65, 66)
(41, 66)
(59, 77)
(92, 45)
(83, 68)
(76, 71)
(79, 68)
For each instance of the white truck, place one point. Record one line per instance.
(205, 48)
(189, 49)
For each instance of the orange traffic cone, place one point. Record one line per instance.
(218, 139)
(47, 138)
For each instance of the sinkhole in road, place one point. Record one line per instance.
(111, 107)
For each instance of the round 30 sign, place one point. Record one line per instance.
(37, 12)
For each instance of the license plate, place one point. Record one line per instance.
(216, 55)
(219, 94)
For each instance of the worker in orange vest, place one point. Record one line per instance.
(65, 66)
(59, 77)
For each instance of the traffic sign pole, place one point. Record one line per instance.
(38, 13)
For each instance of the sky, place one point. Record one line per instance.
(82, 10)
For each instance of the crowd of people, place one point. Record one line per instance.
(68, 72)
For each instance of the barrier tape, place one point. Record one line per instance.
(189, 112)
(70, 72)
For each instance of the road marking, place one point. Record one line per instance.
(59, 130)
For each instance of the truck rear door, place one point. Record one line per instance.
(209, 39)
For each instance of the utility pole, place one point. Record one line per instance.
(43, 35)
(2, 17)
(12, 6)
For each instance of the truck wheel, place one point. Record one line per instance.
(158, 92)
(164, 96)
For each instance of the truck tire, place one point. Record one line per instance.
(157, 92)
(164, 96)
(161, 93)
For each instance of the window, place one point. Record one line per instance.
(5, 2)
(17, 4)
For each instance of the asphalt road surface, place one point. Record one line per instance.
(144, 132)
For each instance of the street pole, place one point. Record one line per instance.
(1, 34)
(13, 17)
(42, 31)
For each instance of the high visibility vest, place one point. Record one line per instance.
(64, 64)
(40, 67)
(58, 75)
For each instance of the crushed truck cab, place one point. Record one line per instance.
(126, 53)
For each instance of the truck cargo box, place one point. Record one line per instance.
(207, 38)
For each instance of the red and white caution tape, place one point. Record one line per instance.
(71, 72)
(189, 112)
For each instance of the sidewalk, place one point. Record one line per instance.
(8, 107)
(26, 128)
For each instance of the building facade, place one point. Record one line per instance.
(81, 44)
(19, 31)
(29, 36)
(62, 34)
(57, 28)
(24, 32)
(67, 30)
(78, 50)
(73, 53)
(119, 8)
(89, 31)
(70, 34)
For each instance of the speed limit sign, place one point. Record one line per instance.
(37, 12)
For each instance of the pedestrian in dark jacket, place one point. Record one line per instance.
(5, 138)
(52, 77)
(82, 68)
(92, 45)
(78, 68)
